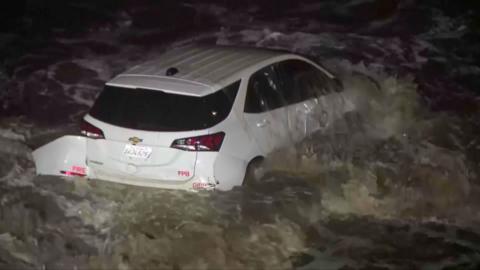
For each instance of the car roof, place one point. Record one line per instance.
(198, 70)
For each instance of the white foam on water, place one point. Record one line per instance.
(383, 166)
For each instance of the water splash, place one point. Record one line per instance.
(389, 161)
(391, 175)
(385, 160)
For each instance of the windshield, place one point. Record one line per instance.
(155, 110)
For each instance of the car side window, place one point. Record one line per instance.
(302, 81)
(263, 92)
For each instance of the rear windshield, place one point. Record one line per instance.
(154, 110)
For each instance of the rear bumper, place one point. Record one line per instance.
(202, 179)
(213, 171)
(193, 184)
(66, 156)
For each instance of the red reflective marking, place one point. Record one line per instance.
(79, 169)
(70, 173)
(198, 185)
(183, 173)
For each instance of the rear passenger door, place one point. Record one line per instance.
(308, 91)
(265, 111)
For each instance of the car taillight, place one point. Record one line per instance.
(211, 142)
(91, 131)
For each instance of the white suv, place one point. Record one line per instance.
(196, 118)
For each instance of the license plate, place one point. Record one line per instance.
(136, 151)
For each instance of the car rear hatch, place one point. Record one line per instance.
(152, 134)
(142, 154)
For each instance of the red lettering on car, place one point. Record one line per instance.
(198, 185)
(183, 173)
(79, 170)
(75, 171)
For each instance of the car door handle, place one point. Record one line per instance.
(324, 119)
(306, 109)
(263, 123)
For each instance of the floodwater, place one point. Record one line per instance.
(393, 184)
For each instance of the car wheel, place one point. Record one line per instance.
(254, 172)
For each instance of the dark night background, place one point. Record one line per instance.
(400, 189)
(37, 19)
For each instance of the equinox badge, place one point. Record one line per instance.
(135, 140)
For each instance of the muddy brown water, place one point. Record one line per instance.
(380, 189)
(392, 185)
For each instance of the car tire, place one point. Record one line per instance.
(254, 172)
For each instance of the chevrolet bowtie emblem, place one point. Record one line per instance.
(135, 140)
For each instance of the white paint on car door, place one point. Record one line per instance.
(265, 111)
(313, 104)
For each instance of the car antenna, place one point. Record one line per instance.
(171, 71)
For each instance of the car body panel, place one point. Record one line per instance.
(107, 155)
(269, 129)
(63, 156)
(247, 135)
(212, 65)
(163, 83)
(229, 171)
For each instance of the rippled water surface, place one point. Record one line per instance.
(393, 184)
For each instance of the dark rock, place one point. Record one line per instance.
(99, 47)
(11, 85)
(6, 165)
(301, 259)
(39, 60)
(463, 266)
(437, 227)
(374, 267)
(96, 83)
(54, 88)
(26, 71)
(468, 236)
(45, 110)
(358, 226)
(32, 87)
(435, 248)
(374, 10)
(162, 15)
(347, 267)
(56, 51)
(71, 73)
